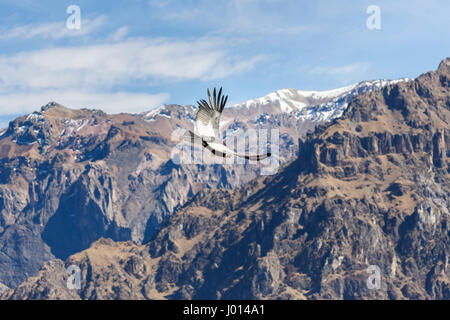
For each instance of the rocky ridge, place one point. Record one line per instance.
(369, 189)
(69, 177)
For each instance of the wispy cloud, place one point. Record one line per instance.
(342, 74)
(348, 69)
(21, 102)
(93, 71)
(121, 63)
(232, 17)
(51, 30)
(119, 34)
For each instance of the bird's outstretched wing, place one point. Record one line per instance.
(207, 120)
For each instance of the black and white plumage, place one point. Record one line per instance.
(207, 133)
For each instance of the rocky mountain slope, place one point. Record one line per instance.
(369, 189)
(69, 177)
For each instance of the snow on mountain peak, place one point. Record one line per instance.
(314, 105)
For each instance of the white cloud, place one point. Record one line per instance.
(85, 76)
(348, 69)
(234, 18)
(25, 102)
(120, 63)
(119, 34)
(52, 30)
(342, 75)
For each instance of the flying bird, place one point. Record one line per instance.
(207, 123)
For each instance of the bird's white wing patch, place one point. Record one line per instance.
(205, 123)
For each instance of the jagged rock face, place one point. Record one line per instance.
(69, 177)
(3, 289)
(369, 191)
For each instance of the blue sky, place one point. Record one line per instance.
(131, 56)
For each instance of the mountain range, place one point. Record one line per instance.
(364, 182)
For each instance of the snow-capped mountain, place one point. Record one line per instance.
(313, 105)
(292, 112)
(316, 106)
